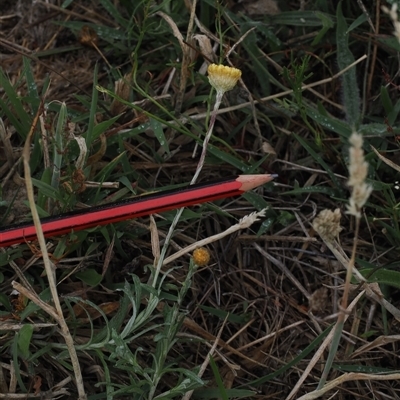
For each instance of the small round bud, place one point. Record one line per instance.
(201, 256)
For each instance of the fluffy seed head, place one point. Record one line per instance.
(327, 224)
(395, 19)
(223, 78)
(358, 170)
(201, 256)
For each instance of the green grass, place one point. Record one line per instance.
(141, 332)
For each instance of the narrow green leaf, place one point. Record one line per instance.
(107, 170)
(357, 22)
(320, 161)
(218, 379)
(265, 226)
(375, 129)
(259, 68)
(58, 149)
(230, 159)
(66, 3)
(221, 314)
(300, 18)
(13, 108)
(31, 84)
(211, 393)
(392, 117)
(24, 340)
(36, 161)
(8, 256)
(5, 302)
(391, 42)
(31, 308)
(327, 23)
(351, 95)
(382, 276)
(104, 232)
(156, 126)
(106, 33)
(365, 369)
(47, 190)
(113, 11)
(131, 133)
(333, 124)
(93, 109)
(45, 179)
(102, 127)
(313, 189)
(89, 276)
(16, 366)
(118, 319)
(257, 201)
(392, 234)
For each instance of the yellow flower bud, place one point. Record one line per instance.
(201, 256)
(223, 78)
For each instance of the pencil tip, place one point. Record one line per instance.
(252, 181)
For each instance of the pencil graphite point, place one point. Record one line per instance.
(252, 181)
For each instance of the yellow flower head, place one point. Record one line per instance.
(223, 78)
(201, 256)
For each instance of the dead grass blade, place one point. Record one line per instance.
(187, 58)
(56, 312)
(378, 342)
(244, 223)
(284, 270)
(386, 160)
(321, 349)
(351, 376)
(204, 366)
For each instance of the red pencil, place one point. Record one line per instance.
(132, 208)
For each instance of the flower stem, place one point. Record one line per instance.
(208, 136)
(200, 165)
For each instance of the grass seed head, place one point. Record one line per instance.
(395, 19)
(358, 170)
(327, 224)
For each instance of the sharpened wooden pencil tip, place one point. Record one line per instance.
(252, 181)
